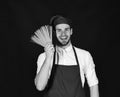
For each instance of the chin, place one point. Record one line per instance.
(64, 43)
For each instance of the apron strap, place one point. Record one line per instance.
(75, 55)
(54, 57)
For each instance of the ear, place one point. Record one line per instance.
(71, 31)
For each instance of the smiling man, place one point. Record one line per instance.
(64, 76)
(63, 33)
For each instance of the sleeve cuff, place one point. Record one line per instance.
(93, 83)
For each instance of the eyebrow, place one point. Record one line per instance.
(67, 28)
(60, 29)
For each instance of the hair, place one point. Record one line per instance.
(58, 19)
(55, 20)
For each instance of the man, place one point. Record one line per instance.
(63, 67)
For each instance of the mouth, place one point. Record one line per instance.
(63, 38)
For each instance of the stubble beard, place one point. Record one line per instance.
(64, 43)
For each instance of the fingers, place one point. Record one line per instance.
(49, 49)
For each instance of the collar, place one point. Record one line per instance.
(69, 48)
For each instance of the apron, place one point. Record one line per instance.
(65, 81)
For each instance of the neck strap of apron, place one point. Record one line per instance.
(75, 55)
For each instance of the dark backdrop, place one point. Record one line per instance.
(96, 29)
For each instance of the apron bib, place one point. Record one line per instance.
(65, 81)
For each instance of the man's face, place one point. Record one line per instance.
(63, 33)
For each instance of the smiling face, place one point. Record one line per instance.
(63, 33)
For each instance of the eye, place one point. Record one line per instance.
(58, 30)
(67, 29)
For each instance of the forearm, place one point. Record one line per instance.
(94, 91)
(41, 78)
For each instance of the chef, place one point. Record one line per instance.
(62, 67)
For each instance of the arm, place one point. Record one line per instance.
(94, 91)
(42, 76)
(92, 77)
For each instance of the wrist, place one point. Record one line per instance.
(48, 57)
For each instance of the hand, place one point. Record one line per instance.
(49, 50)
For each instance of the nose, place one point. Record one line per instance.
(63, 33)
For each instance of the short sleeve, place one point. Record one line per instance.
(40, 61)
(90, 71)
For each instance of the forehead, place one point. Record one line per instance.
(62, 26)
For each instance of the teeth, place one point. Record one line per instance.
(64, 38)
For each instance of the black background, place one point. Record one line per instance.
(95, 27)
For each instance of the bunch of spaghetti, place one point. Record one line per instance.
(43, 36)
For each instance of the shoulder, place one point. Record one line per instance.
(41, 56)
(81, 52)
(83, 55)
